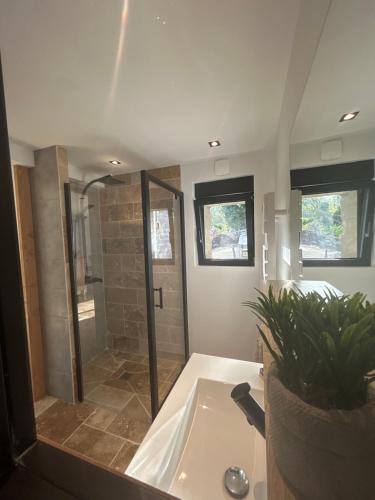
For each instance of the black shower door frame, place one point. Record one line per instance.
(73, 292)
(146, 178)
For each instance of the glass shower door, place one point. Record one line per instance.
(86, 280)
(165, 285)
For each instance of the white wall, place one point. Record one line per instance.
(347, 279)
(21, 154)
(359, 146)
(355, 147)
(311, 19)
(218, 323)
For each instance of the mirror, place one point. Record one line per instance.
(332, 155)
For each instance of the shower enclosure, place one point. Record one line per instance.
(164, 250)
(128, 286)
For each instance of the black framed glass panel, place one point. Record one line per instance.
(165, 285)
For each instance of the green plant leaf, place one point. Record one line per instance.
(325, 345)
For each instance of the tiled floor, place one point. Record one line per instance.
(115, 416)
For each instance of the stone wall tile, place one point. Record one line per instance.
(112, 262)
(123, 212)
(128, 262)
(135, 329)
(139, 245)
(166, 172)
(132, 279)
(113, 213)
(121, 245)
(129, 194)
(114, 279)
(114, 310)
(135, 312)
(167, 347)
(108, 196)
(174, 299)
(125, 344)
(110, 230)
(140, 262)
(131, 228)
(116, 326)
(141, 296)
(125, 282)
(137, 211)
(120, 295)
(172, 317)
(125, 178)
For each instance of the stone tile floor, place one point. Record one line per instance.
(109, 425)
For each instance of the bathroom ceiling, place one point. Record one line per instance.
(148, 82)
(342, 77)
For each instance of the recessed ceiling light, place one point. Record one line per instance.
(115, 162)
(349, 116)
(214, 144)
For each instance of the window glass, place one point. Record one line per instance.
(160, 234)
(225, 233)
(330, 225)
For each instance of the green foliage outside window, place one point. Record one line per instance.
(228, 218)
(322, 223)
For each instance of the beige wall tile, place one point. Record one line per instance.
(125, 344)
(120, 295)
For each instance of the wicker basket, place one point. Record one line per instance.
(322, 455)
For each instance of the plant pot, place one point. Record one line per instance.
(321, 455)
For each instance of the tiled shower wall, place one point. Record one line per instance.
(124, 270)
(167, 275)
(124, 278)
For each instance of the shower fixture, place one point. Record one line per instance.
(108, 180)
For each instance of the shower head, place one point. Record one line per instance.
(108, 180)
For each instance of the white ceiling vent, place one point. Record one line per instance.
(222, 167)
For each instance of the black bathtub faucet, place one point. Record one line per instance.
(252, 410)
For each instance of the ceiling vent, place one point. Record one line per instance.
(331, 150)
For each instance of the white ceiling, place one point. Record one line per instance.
(146, 81)
(342, 77)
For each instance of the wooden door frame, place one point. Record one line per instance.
(24, 214)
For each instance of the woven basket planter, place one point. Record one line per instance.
(322, 455)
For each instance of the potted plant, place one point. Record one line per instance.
(321, 403)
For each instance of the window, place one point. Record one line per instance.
(330, 225)
(161, 234)
(224, 213)
(337, 218)
(86, 309)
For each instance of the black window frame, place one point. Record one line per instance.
(216, 198)
(365, 222)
